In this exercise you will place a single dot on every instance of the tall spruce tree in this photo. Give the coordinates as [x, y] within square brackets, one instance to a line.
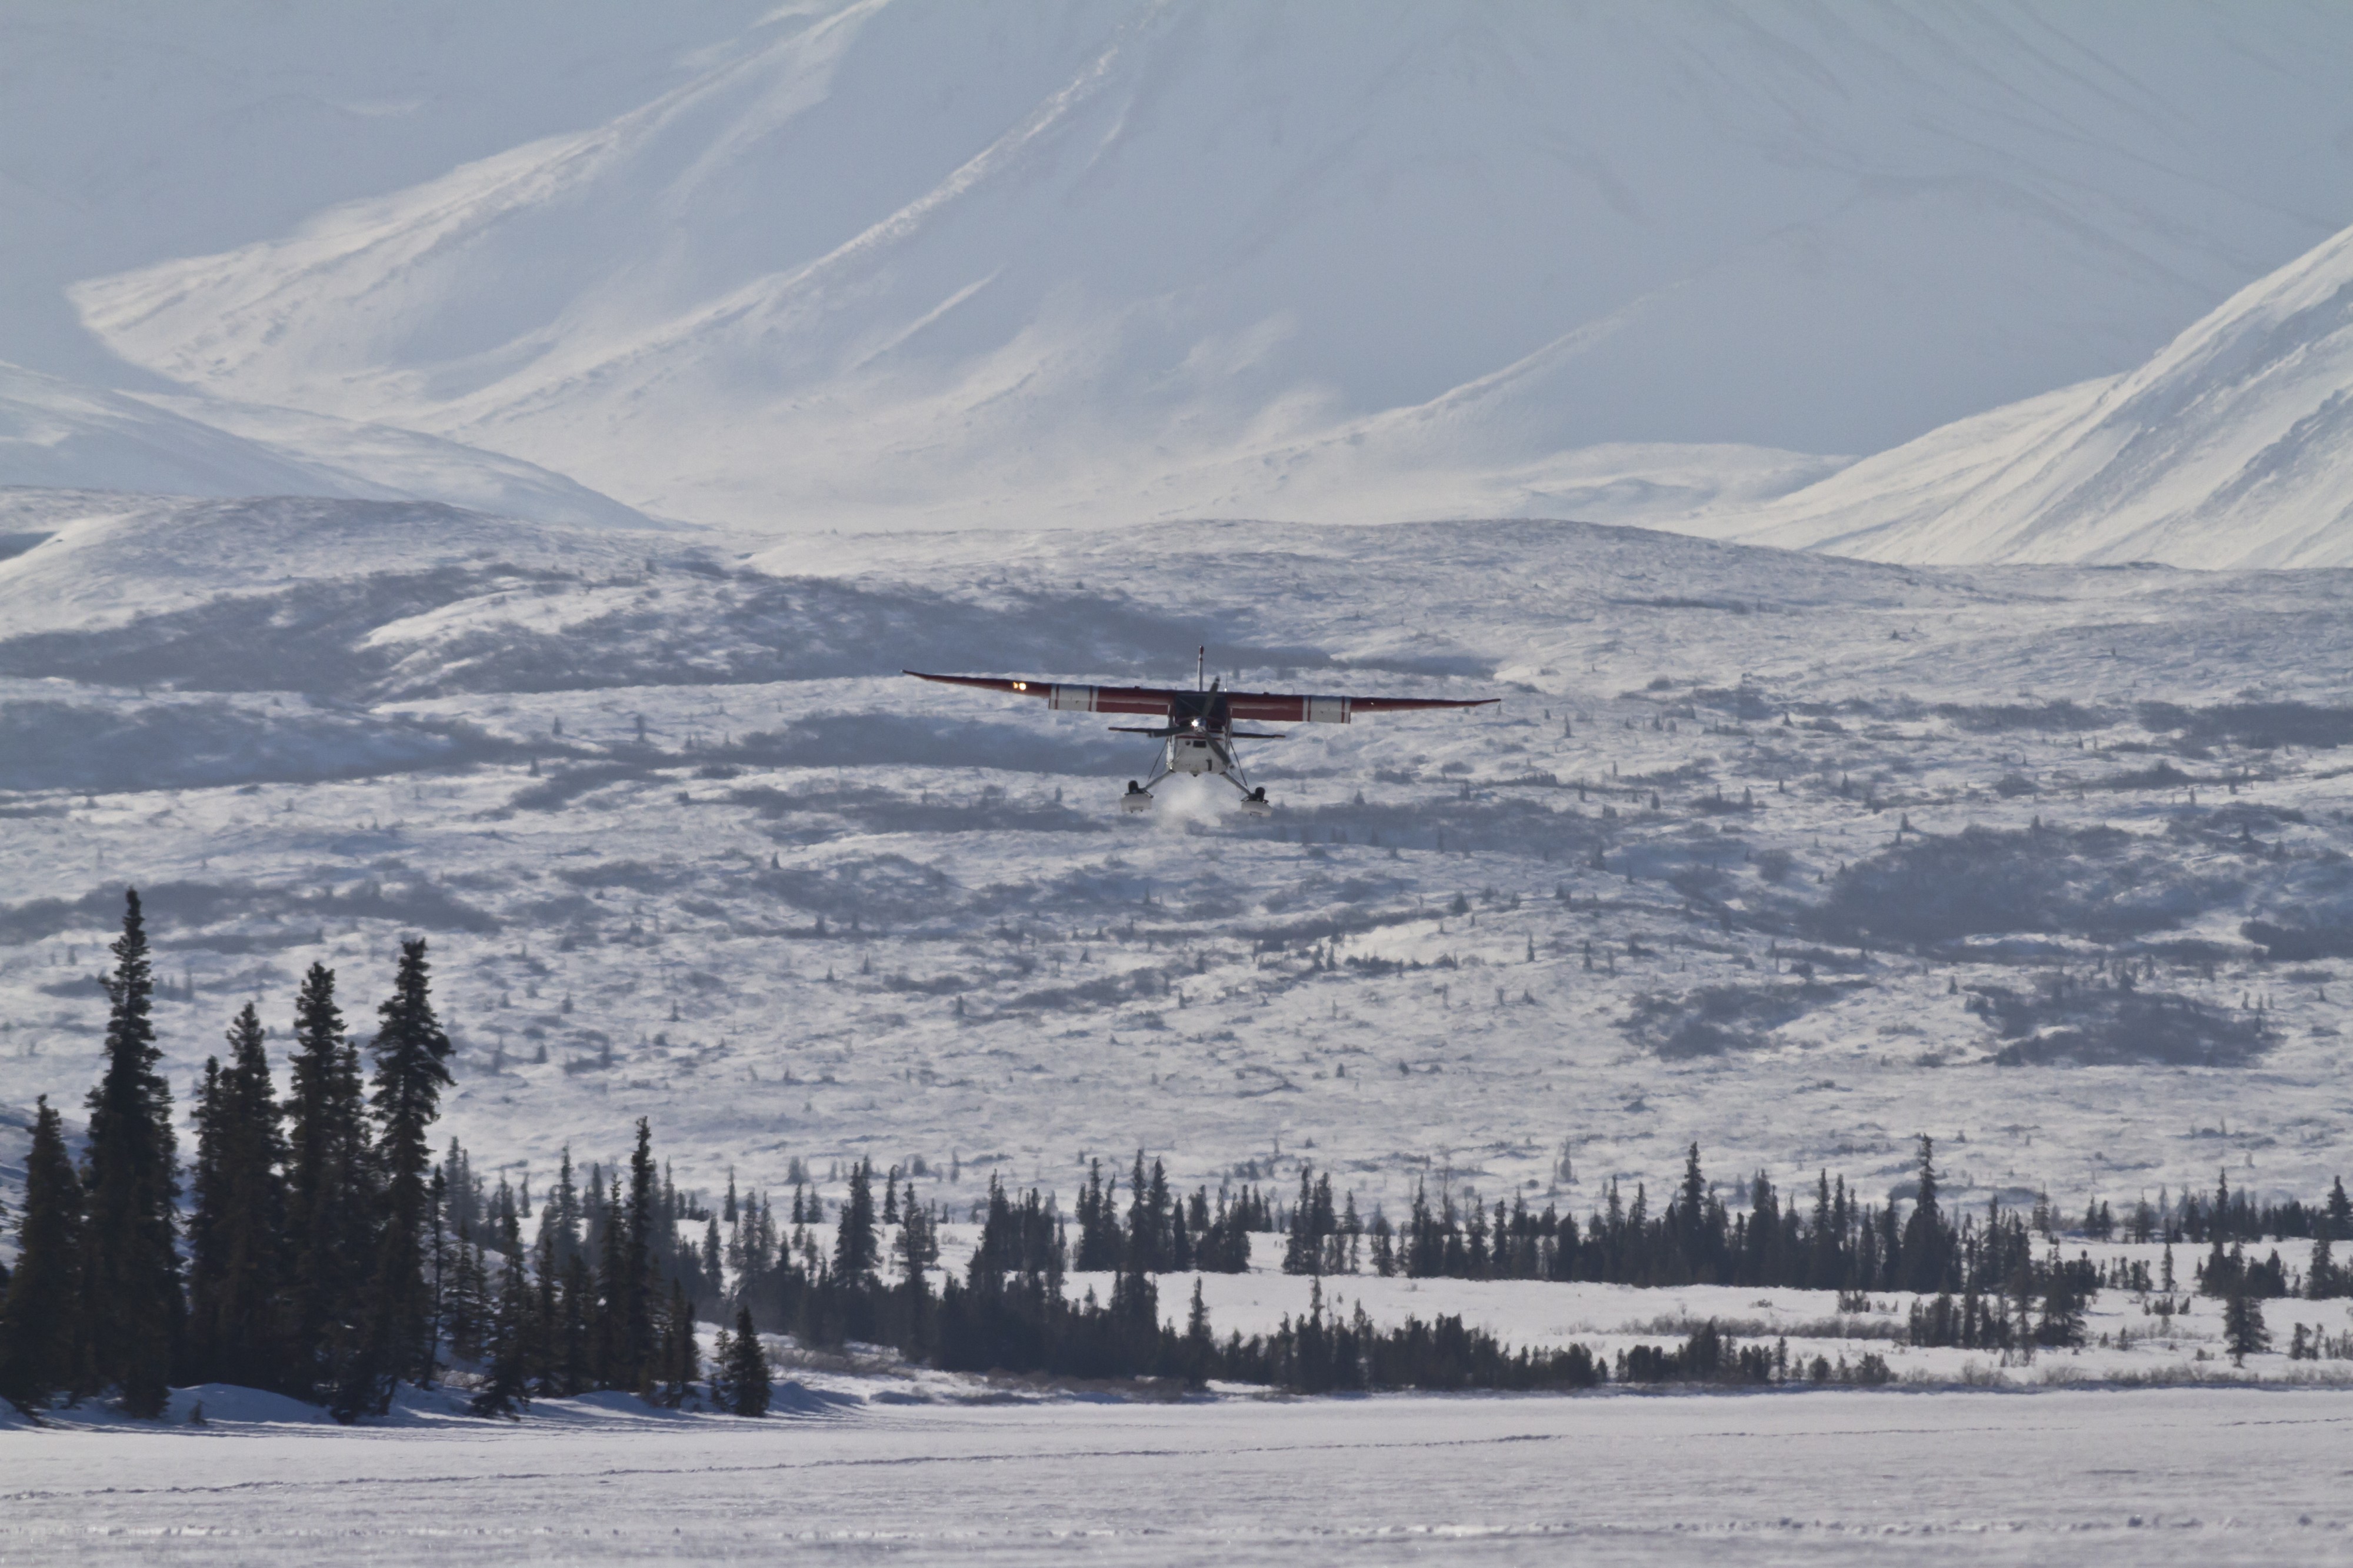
[610, 1342]
[561, 1219]
[856, 1246]
[713, 1281]
[330, 1192]
[133, 1310]
[40, 1344]
[635, 1303]
[236, 1232]
[1927, 1248]
[411, 1070]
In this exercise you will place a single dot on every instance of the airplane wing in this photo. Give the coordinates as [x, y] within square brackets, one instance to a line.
[1259, 707]
[1299, 707]
[1151, 699]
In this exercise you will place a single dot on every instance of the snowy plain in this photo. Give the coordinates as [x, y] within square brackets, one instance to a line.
[2189, 1477]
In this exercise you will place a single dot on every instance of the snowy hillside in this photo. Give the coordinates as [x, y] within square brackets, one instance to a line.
[907, 263]
[2233, 447]
[1789, 855]
[57, 434]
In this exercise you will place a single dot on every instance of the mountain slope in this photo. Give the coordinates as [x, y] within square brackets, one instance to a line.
[2233, 447]
[133, 133]
[58, 434]
[892, 262]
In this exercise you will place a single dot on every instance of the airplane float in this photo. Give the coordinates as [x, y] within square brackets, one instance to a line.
[1196, 728]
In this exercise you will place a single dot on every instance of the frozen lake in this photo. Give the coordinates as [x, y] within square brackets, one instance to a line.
[2203, 1476]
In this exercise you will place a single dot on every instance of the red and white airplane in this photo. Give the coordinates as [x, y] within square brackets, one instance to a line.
[1196, 728]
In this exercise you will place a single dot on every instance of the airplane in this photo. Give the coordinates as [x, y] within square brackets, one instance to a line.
[1196, 727]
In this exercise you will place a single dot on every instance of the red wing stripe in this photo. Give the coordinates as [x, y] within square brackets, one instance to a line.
[1130, 699]
[1079, 698]
[1267, 708]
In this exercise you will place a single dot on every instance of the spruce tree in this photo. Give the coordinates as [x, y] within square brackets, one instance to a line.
[561, 1218]
[237, 1231]
[713, 1283]
[38, 1342]
[855, 1247]
[506, 1382]
[1926, 1248]
[635, 1293]
[746, 1367]
[2062, 1311]
[546, 1315]
[467, 1301]
[330, 1192]
[2244, 1332]
[1200, 1346]
[411, 1056]
[916, 1248]
[131, 1306]
[609, 1339]
[680, 1366]
[571, 1359]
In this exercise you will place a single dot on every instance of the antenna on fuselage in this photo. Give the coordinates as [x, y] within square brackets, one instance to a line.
[1200, 667]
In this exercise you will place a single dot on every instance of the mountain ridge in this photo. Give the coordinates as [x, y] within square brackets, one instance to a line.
[886, 264]
[2231, 446]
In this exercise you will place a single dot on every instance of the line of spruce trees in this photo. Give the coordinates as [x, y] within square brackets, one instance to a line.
[308, 1224]
[324, 1254]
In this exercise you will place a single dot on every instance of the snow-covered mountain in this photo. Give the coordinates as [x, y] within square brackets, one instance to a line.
[133, 133]
[899, 263]
[59, 435]
[2231, 446]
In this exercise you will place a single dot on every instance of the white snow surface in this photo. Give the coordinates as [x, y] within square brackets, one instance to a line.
[2168, 1476]
[908, 264]
[2231, 446]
